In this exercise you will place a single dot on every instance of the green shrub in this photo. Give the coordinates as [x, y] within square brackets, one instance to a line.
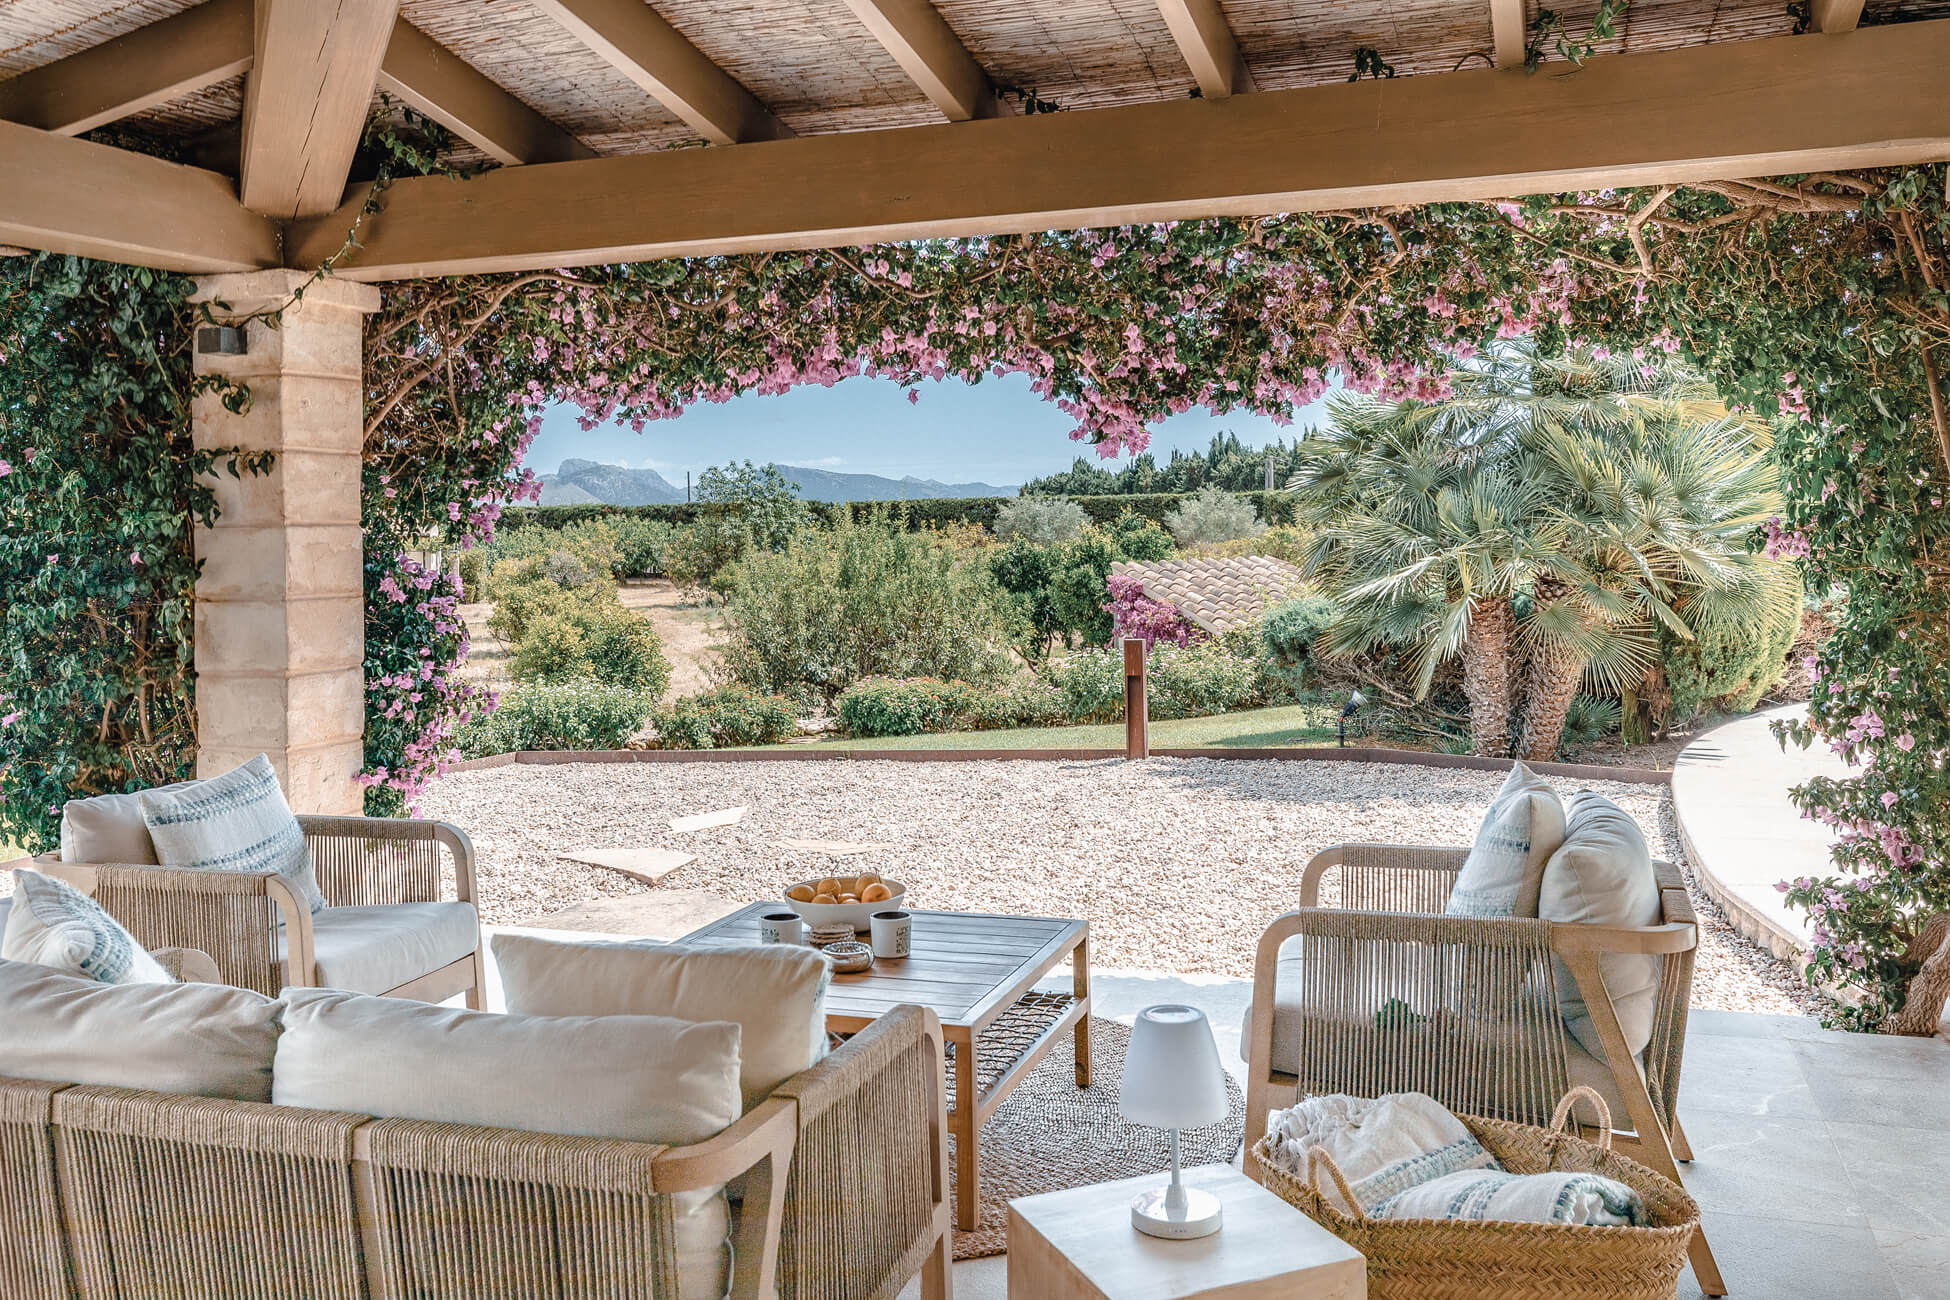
[1288, 633]
[1213, 515]
[920, 705]
[1199, 681]
[473, 572]
[1728, 667]
[604, 642]
[886, 707]
[1195, 682]
[1089, 685]
[859, 600]
[641, 545]
[1138, 538]
[698, 553]
[1590, 719]
[1042, 520]
[578, 714]
[727, 717]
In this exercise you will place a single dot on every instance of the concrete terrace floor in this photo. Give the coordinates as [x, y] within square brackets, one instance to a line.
[1821, 1159]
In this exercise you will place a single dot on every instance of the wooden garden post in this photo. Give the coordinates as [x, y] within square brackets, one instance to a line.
[1137, 705]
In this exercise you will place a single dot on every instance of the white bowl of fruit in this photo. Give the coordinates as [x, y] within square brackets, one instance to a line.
[849, 900]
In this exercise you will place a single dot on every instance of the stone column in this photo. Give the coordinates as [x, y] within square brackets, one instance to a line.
[280, 602]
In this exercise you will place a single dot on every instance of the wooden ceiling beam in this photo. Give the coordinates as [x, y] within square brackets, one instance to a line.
[1834, 15]
[1705, 112]
[439, 83]
[933, 57]
[1508, 29]
[74, 196]
[1209, 47]
[149, 66]
[306, 99]
[635, 40]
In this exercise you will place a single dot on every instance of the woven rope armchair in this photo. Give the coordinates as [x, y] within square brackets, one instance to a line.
[1377, 991]
[261, 937]
[109, 1193]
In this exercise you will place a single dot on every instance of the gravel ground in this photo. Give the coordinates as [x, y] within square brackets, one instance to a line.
[1177, 863]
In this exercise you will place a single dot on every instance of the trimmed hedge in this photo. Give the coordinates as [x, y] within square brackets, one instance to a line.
[727, 717]
[1273, 507]
[558, 715]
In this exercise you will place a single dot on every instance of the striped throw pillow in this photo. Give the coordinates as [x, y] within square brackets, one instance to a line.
[53, 924]
[235, 822]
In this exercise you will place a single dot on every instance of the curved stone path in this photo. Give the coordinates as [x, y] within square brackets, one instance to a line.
[1742, 832]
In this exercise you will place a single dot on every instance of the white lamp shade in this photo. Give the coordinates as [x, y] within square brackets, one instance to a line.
[1172, 1076]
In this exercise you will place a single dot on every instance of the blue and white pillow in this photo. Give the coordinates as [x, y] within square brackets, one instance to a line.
[53, 924]
[1505, 869]
[235, 822]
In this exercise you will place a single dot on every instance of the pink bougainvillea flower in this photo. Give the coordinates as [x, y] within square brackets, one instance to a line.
[5, 469]
[1890, 798]
[135, 557]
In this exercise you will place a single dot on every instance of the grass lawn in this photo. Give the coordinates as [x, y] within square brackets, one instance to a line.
[1293, 724]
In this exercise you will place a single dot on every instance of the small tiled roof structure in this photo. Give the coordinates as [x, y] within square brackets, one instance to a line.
[1219, 592]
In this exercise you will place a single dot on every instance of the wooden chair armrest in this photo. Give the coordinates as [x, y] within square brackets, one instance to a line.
[757, 1149]
[188, 965]
[1391, 862]
[872, 1132]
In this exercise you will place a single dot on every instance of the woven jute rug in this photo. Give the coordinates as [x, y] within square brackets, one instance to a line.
[1049, 1135]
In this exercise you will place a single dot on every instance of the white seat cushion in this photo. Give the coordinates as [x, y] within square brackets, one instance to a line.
[1602, 875]
[376, 949]
[203, 1040]
[235, 822]
[1505, 867]
[636, 1078]
[54, 924]
[776, 993]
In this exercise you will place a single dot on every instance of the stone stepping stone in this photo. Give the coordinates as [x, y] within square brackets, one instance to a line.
[703, 821]
[834, 848]
[647, 865]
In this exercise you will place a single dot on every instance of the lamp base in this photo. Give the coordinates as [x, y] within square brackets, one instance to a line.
[1199, 1218]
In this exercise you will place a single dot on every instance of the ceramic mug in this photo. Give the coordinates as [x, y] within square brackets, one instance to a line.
[893, 934]
[779, 927]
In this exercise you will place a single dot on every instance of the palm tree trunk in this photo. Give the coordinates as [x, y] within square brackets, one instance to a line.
[1555, 674]
[1486, 675]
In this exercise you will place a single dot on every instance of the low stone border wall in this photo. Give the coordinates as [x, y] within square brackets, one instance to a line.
[809, 754]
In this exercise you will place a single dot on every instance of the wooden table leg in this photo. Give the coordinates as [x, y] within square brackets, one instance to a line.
[1080, 985]
[961, 1122]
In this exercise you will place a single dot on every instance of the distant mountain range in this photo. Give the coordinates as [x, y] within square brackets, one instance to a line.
[584, 482]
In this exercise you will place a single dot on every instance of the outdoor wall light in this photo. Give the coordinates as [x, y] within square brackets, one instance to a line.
[220, 340]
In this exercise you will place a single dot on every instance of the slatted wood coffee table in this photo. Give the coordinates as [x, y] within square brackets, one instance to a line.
[978, 973]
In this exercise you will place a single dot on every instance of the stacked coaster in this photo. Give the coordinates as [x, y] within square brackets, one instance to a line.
[831, 932]
[848, 956]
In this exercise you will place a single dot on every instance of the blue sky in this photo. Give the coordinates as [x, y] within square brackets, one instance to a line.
[993, 432]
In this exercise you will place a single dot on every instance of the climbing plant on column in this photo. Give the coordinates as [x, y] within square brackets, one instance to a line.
[99, 487]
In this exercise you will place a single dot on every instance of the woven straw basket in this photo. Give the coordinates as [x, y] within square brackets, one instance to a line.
[1445, 1259]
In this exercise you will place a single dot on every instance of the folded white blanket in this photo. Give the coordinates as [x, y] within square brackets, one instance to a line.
[1483, 1194]
[1383, 1146]
[1405, 1156]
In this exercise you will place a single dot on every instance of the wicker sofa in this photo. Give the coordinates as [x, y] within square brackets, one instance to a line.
[110, 1192]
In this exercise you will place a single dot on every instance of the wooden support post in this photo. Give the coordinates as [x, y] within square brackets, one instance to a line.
[1137, 704]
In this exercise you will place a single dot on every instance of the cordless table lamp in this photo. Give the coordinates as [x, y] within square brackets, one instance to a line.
[1173, 1080]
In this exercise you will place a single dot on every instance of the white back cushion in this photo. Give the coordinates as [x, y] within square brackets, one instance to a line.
[108, 828]
[235, 822]
[638, 1078]
[204, 1040]
[774, 992]
[54, 924]
[1505, 867]
[1602, 875]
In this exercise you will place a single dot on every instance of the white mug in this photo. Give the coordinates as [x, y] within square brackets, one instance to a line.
[779, 927]
[893, 934]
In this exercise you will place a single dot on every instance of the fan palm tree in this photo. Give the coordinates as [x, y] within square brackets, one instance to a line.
[1599, 498]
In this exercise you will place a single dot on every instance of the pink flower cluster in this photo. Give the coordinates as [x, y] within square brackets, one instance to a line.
[1135, 614]
[1784, 543]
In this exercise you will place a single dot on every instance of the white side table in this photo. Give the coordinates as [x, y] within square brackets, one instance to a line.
[1080, 1245]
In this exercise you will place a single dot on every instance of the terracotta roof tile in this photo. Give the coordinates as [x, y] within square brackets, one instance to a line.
[1218, 593]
